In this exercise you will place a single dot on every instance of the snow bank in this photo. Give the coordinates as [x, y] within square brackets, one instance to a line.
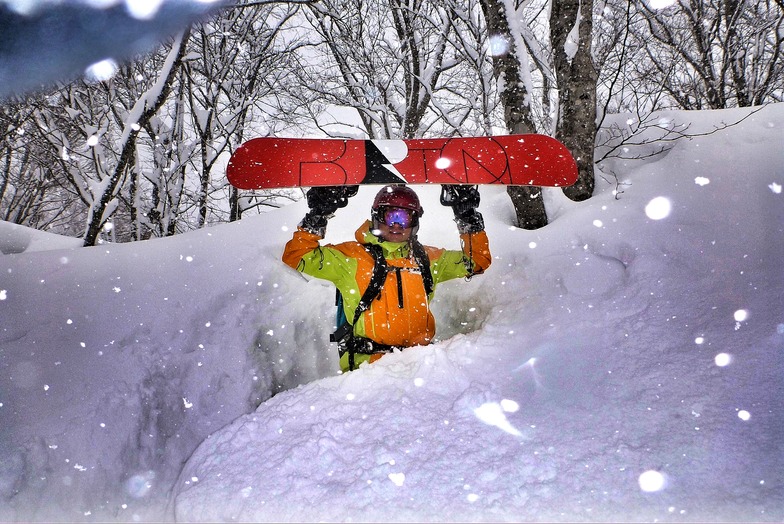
[15, 239]
[623, 363]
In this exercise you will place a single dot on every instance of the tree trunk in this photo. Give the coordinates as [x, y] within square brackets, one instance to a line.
[577, 78]
[736, 52]
[527, 201]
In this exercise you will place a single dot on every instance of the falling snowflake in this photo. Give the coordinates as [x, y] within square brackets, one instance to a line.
[652, 481]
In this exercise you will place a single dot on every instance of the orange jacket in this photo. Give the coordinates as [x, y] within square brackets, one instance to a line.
[349, 266]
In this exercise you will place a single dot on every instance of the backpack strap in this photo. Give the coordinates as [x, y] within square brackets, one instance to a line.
[377, 279]
[423, 261]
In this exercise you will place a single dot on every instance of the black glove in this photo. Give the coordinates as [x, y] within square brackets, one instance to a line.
[464, 200]
[323, 202]
[326, 200]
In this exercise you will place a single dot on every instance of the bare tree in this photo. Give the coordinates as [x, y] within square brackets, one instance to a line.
[236, 64]
[474, 80]
[510, 65]
[29, 195]
[102, 154]
[104, 200]
[391, 61]
[138, 155]
[713, 54]
[121, 151]
[571, 30]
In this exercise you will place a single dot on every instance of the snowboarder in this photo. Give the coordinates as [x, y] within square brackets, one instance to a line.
[386, 278]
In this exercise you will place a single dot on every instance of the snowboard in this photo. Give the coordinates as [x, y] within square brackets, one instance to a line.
[514, 160]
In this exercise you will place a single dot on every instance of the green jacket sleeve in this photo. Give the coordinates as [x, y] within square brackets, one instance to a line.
[474, 259]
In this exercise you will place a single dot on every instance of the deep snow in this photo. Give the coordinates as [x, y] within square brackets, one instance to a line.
[622, 363]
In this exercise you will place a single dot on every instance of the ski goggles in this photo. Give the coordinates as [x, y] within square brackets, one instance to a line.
[404, 218]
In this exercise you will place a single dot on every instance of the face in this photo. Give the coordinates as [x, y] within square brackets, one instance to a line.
[396, 224]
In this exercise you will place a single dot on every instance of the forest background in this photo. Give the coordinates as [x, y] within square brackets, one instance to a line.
[138, 149]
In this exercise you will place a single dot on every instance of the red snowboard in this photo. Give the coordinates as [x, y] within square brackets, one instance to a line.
[515, 160]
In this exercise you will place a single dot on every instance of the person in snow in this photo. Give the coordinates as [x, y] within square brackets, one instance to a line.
[386, 278]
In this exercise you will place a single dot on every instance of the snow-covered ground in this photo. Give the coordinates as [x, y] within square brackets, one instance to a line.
[626, 362]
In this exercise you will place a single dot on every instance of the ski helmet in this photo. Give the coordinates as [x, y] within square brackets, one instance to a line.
[398, 196]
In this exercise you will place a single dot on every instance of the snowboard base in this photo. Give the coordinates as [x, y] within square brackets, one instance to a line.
[513, 160]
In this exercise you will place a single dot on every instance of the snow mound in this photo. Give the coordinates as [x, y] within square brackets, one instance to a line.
[622, 363]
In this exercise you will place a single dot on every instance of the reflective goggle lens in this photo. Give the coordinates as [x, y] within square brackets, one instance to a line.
[402, 217]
